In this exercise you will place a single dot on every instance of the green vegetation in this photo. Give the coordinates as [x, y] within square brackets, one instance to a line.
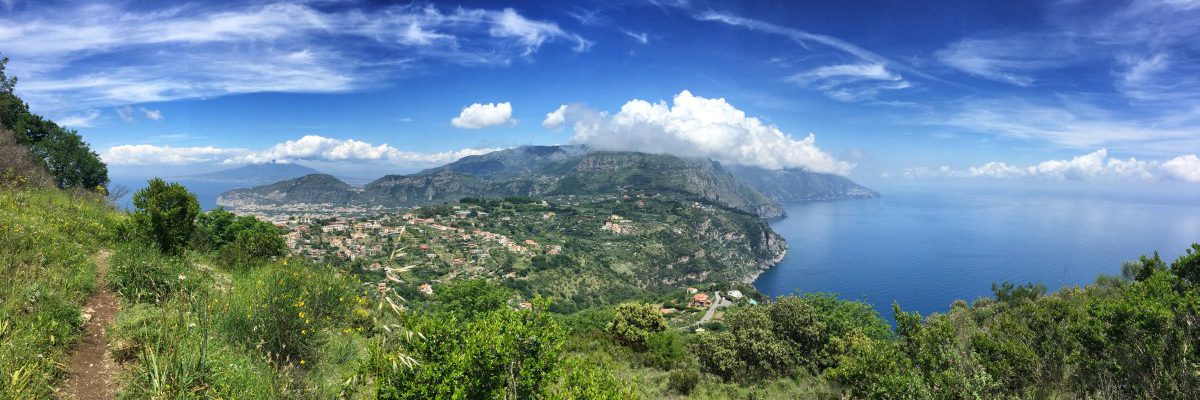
[47, 242]
[62, 151]
[634, 323]
[166, 214]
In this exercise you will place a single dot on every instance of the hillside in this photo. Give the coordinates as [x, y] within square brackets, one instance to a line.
[255, 174]
[791, 185]
[580, 251]
[524, 171]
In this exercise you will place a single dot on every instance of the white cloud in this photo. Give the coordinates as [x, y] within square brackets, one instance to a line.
[1090, 166]
[476, 116]
[307, 148]
[1072, 123]
[509, 24]
[153, 115]
[83, 120]
[641, 37]
[125, 113]
[1184, 168]
[695, 126]
[212, 49]
[556, 119]
[1010, 58]
[145, 154]
[851, 82]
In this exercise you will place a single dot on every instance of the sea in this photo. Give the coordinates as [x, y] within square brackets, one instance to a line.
[925, 247]
[206, 191]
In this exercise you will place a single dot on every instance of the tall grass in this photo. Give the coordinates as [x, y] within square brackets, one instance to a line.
[47, 242]
[270, 330]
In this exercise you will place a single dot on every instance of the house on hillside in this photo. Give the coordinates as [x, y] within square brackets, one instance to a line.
[425, 289]
[700, 300]
[735, 294]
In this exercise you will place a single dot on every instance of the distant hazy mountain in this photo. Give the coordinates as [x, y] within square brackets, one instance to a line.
[789, 185]
[255, 174]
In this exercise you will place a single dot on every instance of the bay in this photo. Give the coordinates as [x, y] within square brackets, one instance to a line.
[925, 248]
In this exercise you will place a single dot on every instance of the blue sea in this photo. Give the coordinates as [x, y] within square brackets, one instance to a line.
[206, 191]
[926, 247]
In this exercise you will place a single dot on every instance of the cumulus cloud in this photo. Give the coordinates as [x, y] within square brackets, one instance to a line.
[1094, 165]
[478, 116]
[1184, 168]
[307, 148]
[694, 126]
[556, 119]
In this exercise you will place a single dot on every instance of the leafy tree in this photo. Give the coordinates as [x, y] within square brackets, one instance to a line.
[465, 299]
[69, 159]
[634, 323]
[166, 214]
[1187, 266]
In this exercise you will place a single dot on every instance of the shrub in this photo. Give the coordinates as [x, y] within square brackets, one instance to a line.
[665, 350]
[283, 309]
[634, 323]
[166, 214]
[683, 381]
[251, 247]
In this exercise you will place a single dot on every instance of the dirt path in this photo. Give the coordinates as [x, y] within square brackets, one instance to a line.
[92, 373]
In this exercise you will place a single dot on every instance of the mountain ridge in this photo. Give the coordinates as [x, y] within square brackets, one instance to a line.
[564, 170]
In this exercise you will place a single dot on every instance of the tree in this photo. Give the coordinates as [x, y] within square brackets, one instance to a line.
[69, 159]
[634, 323]
[166, 214]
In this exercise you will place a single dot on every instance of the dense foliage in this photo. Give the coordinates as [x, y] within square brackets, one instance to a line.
[474, 345]
[634, 323]
[68, 158]
[166, 214]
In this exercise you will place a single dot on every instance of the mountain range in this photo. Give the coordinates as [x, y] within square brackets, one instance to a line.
[254, 174]
[563, 170]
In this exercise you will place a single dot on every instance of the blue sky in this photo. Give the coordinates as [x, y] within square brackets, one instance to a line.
[1019, 91]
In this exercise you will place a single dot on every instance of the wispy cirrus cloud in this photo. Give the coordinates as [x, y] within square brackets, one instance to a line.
[851, 82]
[307, 148]
[99, 55]
[864, 79]
[1072, 123]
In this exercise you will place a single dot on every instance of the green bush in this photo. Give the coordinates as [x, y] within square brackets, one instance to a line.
[634, 323]
[683, 381]
[166, 214]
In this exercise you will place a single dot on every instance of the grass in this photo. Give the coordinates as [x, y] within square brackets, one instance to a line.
[47, 242]
[272, 330]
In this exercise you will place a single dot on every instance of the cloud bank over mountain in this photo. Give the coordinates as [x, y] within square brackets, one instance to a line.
[695, 126]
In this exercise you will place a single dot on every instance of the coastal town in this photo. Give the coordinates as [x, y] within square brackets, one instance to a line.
[413, 251]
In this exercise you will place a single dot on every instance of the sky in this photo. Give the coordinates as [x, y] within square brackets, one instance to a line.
[1012, 91]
